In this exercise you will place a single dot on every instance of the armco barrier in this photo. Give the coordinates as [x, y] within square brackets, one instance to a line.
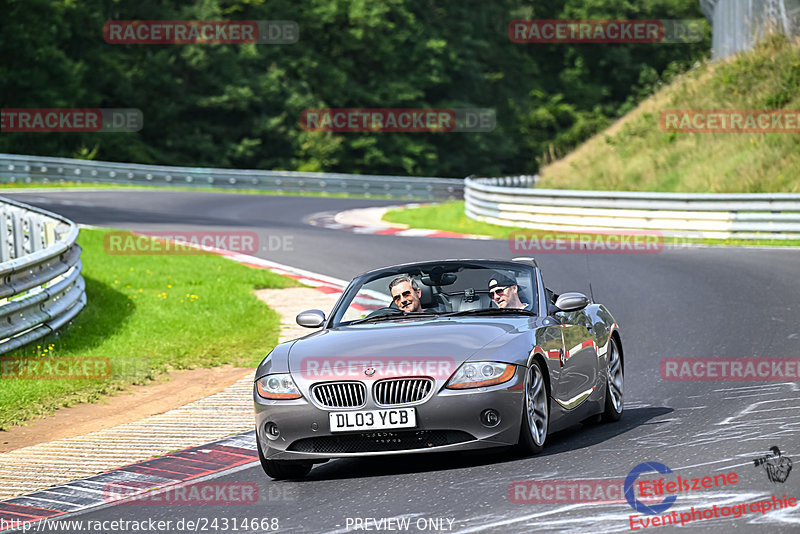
[40, 169]
[41, 287]
[514, 202]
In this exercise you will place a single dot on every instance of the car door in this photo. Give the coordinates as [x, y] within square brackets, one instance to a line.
[551, 341]
[579, 361]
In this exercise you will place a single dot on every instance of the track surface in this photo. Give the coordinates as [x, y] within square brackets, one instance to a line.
[698, 302]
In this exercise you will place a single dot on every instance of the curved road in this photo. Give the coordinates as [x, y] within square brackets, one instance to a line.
[694, 302]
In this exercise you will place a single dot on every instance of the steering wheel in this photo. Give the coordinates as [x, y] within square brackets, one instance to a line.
[384, 311]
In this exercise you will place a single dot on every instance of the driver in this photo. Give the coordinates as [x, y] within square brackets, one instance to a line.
[504, 292]
[406, 293]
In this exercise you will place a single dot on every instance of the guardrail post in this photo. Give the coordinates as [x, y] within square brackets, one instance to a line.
[35, 233]
[19, 234]
[5, 253]
[50, 236]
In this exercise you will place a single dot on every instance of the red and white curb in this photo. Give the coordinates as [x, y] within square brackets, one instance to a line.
[128, 482]
[321, 282]
[368, 221]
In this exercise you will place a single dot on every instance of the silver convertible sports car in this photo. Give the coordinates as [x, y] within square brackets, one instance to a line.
[437, 356]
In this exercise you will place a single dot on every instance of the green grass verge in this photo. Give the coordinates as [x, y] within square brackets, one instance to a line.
[149, 314]
[5, 185]
[635, 154]
[450, 217]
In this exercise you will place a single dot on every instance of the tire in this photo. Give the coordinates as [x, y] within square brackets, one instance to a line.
[536, 411]
[282, 469]
[614, 384]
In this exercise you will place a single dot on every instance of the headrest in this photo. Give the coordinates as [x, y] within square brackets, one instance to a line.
[426, 298]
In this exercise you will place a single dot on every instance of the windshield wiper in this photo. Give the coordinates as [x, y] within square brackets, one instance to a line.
[394, 317]
[492, 311]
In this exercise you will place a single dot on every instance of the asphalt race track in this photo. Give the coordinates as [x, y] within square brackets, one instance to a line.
[688, 302]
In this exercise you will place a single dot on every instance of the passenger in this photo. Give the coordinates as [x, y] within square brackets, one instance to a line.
[505, 292]
[406, 293]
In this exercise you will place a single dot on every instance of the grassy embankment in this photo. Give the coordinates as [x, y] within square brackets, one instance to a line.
[149, 314]
[635, 154]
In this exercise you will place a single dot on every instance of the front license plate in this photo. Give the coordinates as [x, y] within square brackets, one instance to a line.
[373, 419]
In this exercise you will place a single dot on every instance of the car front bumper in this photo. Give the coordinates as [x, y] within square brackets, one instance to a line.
[450, 420]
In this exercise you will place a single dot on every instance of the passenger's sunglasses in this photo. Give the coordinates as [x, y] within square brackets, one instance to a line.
[498, 291]
[404, 294]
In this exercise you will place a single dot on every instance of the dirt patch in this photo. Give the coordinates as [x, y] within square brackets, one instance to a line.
[179, 388]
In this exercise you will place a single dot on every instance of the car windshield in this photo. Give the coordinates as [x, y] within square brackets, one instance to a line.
[430, 290]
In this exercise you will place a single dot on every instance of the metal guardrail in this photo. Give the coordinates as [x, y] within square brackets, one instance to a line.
[40, 169]
[514, 202]
[41, 287]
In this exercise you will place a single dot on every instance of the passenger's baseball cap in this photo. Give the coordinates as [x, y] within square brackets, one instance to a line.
[500, 280]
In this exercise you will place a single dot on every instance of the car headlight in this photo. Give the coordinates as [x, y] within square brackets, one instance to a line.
[481, 374]
[279, 386]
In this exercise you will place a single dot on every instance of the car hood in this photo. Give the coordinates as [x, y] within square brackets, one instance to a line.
[445, 342]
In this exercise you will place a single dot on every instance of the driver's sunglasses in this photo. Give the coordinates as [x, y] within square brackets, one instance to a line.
[497, 291]
[404, 294]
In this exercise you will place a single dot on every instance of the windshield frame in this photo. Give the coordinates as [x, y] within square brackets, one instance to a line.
[352, 290]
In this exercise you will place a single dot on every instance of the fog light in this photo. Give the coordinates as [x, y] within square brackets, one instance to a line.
[490, 418]
[271, 430]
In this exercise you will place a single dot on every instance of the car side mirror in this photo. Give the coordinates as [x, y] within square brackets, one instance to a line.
[572, 301]
[311, 318]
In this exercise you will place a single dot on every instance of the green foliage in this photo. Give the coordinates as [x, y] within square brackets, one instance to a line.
[239, 105]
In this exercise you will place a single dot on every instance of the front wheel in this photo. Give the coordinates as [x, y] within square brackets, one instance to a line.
[614, 384]
[282, 469]
[536, 418]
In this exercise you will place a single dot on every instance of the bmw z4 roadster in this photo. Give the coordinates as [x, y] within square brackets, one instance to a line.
[438, 356]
